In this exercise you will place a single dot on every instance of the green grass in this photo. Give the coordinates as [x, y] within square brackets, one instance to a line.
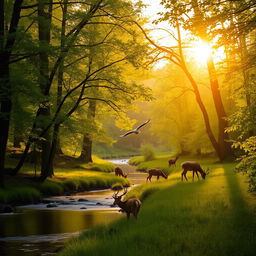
[23, 189]
[161, 162]
[98, 164]
[21, 194]
[212, 217]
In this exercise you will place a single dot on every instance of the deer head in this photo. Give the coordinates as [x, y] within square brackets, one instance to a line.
[118, 197]
[205, 173]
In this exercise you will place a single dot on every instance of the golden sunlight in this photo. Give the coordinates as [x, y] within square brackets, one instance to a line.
[201, 51]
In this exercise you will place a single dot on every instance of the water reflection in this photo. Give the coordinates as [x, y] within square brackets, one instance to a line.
[33, 222]
[19, 232]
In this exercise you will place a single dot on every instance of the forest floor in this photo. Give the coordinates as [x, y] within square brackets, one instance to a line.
[216, 216]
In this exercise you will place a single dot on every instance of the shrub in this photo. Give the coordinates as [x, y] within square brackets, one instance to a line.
[148, 152]
[247, 162]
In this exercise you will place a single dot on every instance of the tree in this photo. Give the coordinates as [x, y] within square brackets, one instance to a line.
[82, 74]
[7, 41]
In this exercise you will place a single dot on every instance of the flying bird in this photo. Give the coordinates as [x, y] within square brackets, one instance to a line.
[136, 130]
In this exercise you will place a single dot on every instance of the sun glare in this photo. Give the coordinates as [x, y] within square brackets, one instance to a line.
[201, 52]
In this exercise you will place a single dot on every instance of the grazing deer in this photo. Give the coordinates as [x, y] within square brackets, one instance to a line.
[173, 161]
[129, 206]
[119, 172]
[156, 172]
[194, 167]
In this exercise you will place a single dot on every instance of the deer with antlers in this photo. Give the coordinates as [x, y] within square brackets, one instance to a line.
[195, 168]
[129, 206]
[173, 161]
[119, 172]
[156, 172]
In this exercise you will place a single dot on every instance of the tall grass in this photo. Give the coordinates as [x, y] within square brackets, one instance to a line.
[24, 191]
[208, 217]
[19, 195]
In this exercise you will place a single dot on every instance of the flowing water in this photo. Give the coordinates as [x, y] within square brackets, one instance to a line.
[37, 230]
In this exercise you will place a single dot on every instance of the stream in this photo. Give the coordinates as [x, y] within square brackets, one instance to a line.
[37, 230]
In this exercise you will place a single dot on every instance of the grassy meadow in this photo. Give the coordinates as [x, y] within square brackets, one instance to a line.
[209, 217]
[161, 162]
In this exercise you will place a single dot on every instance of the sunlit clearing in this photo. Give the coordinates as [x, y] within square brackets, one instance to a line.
[201, 52]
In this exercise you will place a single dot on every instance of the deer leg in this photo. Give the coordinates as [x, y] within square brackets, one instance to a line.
[149, 177]
[193, 175]
[157, 177]
[197, 175]
[184, 173]
[128, 215]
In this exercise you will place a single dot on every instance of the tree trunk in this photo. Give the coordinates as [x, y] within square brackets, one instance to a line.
[17, 132]
[44, 33]
[86, 154]
[58, 147]
[6, 46]
[204, 113]
[199, 100]
[49, 168]
[55, 146]
[224, 146]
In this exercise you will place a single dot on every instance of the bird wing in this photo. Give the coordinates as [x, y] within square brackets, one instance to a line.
[142, 125]
[126, 133]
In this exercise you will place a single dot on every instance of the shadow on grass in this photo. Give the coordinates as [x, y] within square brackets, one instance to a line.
[243, 221]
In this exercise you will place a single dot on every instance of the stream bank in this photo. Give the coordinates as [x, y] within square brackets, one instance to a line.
[40, 230]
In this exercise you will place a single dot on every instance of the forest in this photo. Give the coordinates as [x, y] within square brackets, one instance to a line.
[77, 75]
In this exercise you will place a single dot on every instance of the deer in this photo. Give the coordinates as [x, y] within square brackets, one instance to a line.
[156, 172]
[129, 206]
[173, 161]
[195, 168]
[119, 172]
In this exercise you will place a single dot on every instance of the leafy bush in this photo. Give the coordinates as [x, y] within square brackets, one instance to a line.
[247, 163]
[148, 152]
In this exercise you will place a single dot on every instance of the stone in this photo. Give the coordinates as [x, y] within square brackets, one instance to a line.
[51, 205]
[82, 200]
[5, 208]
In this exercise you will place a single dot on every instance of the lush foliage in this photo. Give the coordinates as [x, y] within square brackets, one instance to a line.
[247, 163]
